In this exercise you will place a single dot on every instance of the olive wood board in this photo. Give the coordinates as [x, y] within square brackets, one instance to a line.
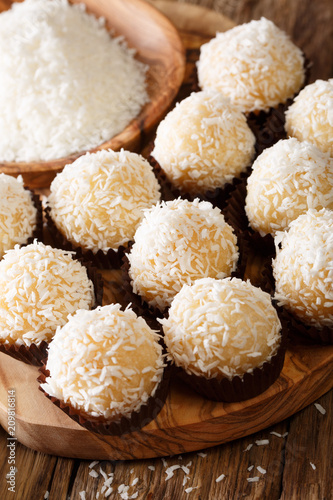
[187, 422]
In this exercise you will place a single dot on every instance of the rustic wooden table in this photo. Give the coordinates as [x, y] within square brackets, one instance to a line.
[290, 460]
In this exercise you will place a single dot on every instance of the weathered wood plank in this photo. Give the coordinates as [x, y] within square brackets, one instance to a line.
[310, 442]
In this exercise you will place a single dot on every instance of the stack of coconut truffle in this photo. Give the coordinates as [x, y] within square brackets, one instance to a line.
[107, 367]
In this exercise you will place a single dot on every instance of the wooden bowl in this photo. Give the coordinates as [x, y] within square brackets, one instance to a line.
[157, 44]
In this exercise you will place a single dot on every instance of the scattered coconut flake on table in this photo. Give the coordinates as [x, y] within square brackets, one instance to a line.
[313, 466]
[248, 448]
[191, 488]
[222, 476]
[320, 408]
[253, 479]
[66, 86]
[277, 434]
[92, 464]
[93, 473]
[261, 469]
[262, 442]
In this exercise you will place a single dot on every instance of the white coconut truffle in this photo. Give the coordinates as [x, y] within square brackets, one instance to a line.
[287, 179]
[97, 202]
[106, 362]
[178, 242]
[18, 215]
[203, 143]
[255, 64]
[40, 286]
[310, 117]
[221, 328]
[303, 268]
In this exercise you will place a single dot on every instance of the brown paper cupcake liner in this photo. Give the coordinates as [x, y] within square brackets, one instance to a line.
[298, 330]
[240, 388]
[138, 304]
[133, 423]
[235, 215]
[191, 83]
[110, 260]
[37, 354]
[33, 355]
[38, 232]
[301, 331]
[217, 197]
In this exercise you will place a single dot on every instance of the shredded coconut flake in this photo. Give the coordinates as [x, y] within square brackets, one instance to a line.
[93, 473]
[261, 469]
[262, 442]
[320, 408]
[66, 85]
[277, 434]
[92, 464]
[191, 488]
[218, 479]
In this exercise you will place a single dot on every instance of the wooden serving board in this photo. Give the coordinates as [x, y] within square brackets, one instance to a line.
[187, 422]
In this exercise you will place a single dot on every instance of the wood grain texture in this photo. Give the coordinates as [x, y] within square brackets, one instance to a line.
[187, 421]
[165, 57]
[289, 474]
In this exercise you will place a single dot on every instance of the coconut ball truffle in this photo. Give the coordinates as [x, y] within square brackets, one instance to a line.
[221, 328]
[303, 268]
[97, 201]
[39, 287]
[105, 362]
[203, 143]
[255, 64]
[287, 179]
[18, 215]
[178, 242]
[310, 117]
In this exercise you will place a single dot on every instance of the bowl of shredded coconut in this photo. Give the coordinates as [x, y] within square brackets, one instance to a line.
[78, 77]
